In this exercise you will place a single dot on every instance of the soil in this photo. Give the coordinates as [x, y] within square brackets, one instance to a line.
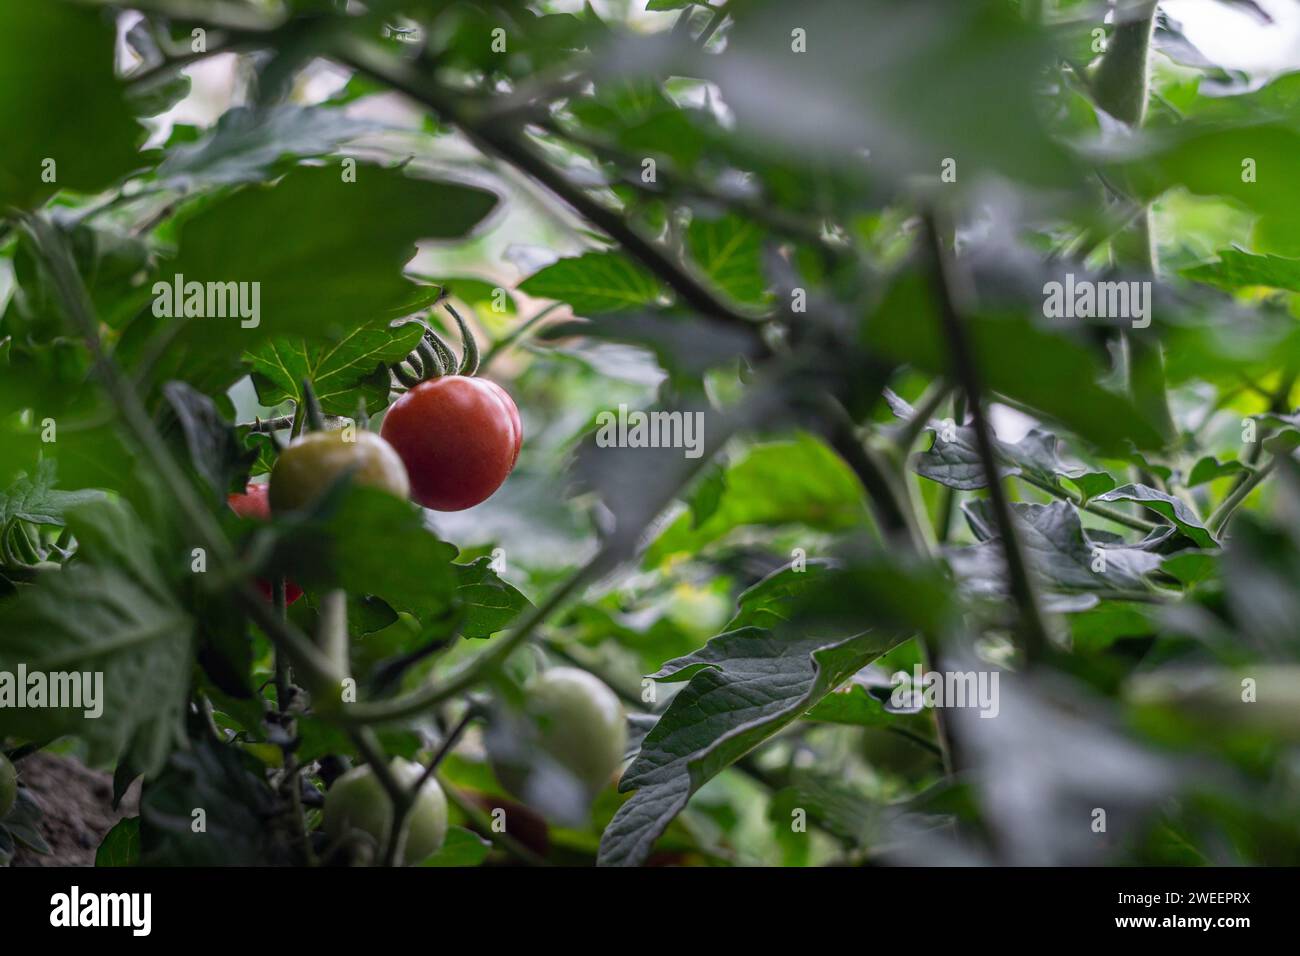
[78, 809]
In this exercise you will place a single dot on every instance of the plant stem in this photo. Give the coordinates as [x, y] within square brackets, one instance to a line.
[925, 407]
[1120, 87]
[1101, 510]
[514, 335]
[950, 294]
[76, 303]
[482, 665]
[1222, 514]
[483, 823]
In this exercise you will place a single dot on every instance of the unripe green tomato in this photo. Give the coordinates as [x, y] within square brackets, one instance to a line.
[8, 786]
[581, 724]
[315, 461]
[358, 802]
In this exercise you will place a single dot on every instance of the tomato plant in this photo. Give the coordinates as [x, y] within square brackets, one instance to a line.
[913, 422]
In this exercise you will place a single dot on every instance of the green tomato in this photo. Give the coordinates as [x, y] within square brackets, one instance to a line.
[315, 461]
[8, 786]
[581, 724]
[357, 802]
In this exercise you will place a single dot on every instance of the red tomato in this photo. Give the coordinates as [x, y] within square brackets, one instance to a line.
[254, 504]
[459, 438]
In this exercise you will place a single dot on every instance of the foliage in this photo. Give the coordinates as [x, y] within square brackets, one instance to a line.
[970, 330]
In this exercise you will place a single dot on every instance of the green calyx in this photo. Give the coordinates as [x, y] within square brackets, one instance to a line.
[433, 357]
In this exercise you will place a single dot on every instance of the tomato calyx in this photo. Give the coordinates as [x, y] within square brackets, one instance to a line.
[434, 358]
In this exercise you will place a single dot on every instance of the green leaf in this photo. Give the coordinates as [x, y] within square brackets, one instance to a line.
[350, 542]
[594, 282]
[1057, 547]
[1209, 161]
[1237, 269]
[906, 328]
[784, 650]
[461, 848]
[23, 824]
[229, 787]
[911, 82]
[121, 845]
[745, 685]
[791, 482]
[1096, 628]
[490, 603]
[1209, 469]
[214, 448]
[38, 501]
[110, 613]
[729, 251]
[328, 254]
[39, 95]
[1172, 509]
[342, 373]
[852, 704]
[250, 145]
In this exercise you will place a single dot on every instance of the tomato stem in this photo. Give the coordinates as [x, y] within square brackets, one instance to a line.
[469, 347]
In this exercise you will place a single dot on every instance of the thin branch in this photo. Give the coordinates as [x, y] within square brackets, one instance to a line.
[514, 335]
[481, 666]
[1222, 514]
[1101, 510]
[951, 295]
[506, 143]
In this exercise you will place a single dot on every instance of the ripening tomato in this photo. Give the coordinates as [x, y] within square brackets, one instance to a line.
[254, 504]
[459, 438]
[313, 462]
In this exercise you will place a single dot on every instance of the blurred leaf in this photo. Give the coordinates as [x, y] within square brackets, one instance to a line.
[791, 482]
[215, 450]
[321, 254]
[906, 328]
[491, 604]
[461, 848]
[40, 93]
[1236, 270]
[908, 83]
[729, 250]
[251, 145]
[38, 501]
[228, 786]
